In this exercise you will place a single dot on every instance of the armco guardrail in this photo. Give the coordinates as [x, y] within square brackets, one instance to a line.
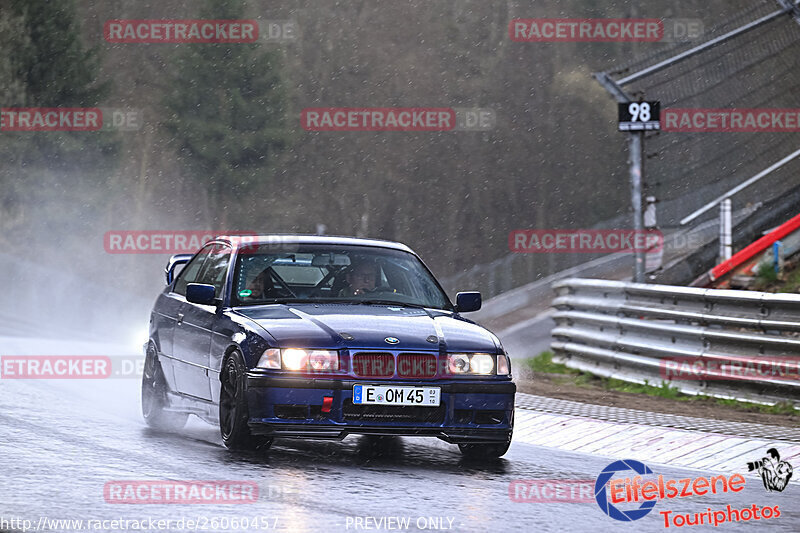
[730, 344]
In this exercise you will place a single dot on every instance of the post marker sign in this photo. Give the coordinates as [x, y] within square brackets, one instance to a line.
[640, 116]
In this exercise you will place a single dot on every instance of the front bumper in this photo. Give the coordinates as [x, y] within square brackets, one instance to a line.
[469, 412]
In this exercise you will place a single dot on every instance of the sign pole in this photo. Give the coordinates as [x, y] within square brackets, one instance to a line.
[636, 144]
[634, 118]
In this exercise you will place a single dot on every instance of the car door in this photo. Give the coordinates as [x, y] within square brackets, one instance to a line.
[192, 340]
[171, 312]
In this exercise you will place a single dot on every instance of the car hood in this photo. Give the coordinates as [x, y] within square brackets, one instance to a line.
[367, 327]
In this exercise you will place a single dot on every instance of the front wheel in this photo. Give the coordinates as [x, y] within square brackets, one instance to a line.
[233, 413]
[154, 396]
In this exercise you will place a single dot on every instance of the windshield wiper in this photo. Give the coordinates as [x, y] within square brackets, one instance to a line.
[267, 301]
[322, 301]
[390, 303]
[305, 301]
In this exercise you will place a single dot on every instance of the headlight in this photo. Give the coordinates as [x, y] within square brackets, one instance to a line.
[296, 359]
[323, 360]
[470, 363]
[458, 363]
[482, 363]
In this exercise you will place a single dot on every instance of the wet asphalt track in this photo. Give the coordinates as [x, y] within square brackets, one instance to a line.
[61, 441]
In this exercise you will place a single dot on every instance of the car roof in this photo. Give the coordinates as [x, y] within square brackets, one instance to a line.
[311, 239]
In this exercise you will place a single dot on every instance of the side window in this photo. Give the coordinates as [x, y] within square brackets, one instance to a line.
[215, 269]
[190, 271]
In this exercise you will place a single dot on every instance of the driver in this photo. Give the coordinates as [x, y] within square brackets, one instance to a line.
[362, 278]
[261, 286]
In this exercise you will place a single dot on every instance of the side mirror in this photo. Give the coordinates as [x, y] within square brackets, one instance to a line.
[468, 301]
[199, 293]
[175, 260]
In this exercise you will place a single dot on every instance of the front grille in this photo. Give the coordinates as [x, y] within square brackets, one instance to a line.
[416, 365]
[393, 413]
[373, 365]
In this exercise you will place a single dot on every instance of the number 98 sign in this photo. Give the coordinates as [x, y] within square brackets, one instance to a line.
[640, 116]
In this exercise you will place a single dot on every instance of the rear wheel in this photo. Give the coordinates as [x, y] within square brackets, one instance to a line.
[233, 412]
[154, 396]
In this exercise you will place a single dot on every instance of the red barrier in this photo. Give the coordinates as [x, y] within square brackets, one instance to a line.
[754, 249]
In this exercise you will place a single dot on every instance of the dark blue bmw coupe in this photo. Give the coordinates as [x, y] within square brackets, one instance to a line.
[322, 337]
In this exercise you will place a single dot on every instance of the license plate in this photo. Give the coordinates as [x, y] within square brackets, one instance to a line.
[395, 395]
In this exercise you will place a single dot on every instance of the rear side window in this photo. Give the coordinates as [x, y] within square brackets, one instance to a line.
[190, 272]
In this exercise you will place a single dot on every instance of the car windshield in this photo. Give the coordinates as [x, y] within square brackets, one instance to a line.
[306, 273]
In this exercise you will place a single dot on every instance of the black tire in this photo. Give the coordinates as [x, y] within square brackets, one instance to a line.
[154, 396]
[484, 451]
[233, 412]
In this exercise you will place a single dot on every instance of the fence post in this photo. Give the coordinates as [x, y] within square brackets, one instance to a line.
[725, 237]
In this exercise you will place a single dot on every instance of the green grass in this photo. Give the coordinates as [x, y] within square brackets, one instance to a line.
[767, 280]
[543, 363]
[792, 282]
[766, 275]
